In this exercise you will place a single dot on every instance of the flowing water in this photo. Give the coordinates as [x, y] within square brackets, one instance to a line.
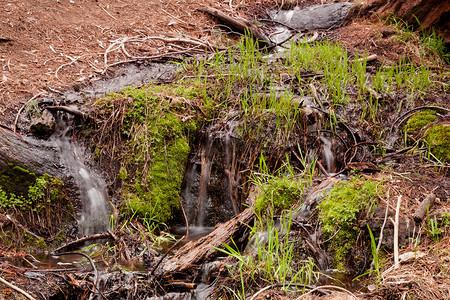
[97, 210]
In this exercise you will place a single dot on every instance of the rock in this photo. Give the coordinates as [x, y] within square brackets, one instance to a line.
[44, 125]
[314, 17]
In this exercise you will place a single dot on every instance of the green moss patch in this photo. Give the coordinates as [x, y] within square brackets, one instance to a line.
[438, 139]
[339, 211]
[420, 120]
[156, 127]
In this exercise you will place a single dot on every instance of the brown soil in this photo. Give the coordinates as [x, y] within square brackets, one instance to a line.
[51, 44]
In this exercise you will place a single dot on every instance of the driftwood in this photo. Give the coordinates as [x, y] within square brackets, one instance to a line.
[421, 211]
[240, 24]
[206, 248]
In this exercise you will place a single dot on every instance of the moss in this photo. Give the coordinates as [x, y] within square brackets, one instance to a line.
[438, 139]
[45, 189]
[123, 174]
[420, 120]
[279, 193]
[339, 211]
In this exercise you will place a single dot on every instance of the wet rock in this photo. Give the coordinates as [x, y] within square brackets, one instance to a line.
[44, 125]
[314, 17]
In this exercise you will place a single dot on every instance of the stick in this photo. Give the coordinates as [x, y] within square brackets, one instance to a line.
[69, 110]
[185, 217]
[84, 239]
[16, 289]
[397, 216]
[23, 227]
[165, 254]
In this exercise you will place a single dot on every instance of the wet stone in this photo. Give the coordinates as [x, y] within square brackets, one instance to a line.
[44, 125]
[314, 17]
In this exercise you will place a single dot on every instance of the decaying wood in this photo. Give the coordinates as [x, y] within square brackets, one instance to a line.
[79, 241]
[240, 24]
[206, 248]
[421, 211]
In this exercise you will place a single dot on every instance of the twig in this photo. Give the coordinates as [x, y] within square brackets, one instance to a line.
[283, 285]
[396, 223]
[384, 224]
[185, 217]
[406, 115]
[20, 110]
[17, 289]
[324, 171]
[327, 287]
[73, 60]
[107, 12]
[69, 110]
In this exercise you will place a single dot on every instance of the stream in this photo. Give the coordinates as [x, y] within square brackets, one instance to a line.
[212, 185]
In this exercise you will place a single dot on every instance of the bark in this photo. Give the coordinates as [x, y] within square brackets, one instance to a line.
[430, 13]
[21, 161]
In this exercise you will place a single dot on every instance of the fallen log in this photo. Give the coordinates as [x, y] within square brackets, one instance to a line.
[240, 24]
[23, 159]
[206, 248]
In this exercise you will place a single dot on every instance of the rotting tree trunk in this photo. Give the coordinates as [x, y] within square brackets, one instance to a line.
[21, 162]
[206, 248]
[430, 13]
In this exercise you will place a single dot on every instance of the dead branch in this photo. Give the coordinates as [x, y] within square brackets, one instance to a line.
[240, 24]
[10, 285]
[396, 224]
[69, 110]
[79, 241]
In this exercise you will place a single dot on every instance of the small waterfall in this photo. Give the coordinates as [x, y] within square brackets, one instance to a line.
[209, 193]
[96, 208]
[328, 155]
